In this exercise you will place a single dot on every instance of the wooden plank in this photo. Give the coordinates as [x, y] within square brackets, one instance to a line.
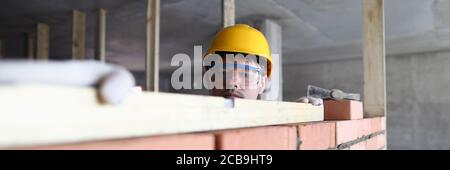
[101, 36]
[152, 49]
[73, 114]
[78, 34]
[30, 45]
[228, 13]
[43, 41]
[374, 59]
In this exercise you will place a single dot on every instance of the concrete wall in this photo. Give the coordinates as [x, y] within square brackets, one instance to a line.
[418, 99]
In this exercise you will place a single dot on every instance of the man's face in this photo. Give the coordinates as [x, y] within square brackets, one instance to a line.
[241, 79]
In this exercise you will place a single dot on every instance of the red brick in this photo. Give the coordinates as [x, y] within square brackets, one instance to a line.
[376, 124]
[376, 142]
[370, 125]
[359, 146]
[353, 129]
[365, 127]
[320, 135]
[343, 110]
[347, 130]
[172, 142]
[265, 138]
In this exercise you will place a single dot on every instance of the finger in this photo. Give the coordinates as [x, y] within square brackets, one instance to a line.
[302, 100]
[315, 101]
[116, 86]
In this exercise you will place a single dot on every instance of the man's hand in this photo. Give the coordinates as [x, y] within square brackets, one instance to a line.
[312, 100]
[113, 82]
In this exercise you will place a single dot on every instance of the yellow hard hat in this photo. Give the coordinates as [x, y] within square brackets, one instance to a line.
[242, 38]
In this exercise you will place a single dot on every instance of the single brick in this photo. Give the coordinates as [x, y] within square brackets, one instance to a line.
[172, 142]
[343, 110]
[315, 136]
[376, 124]
[365, 127]
[347, 131]
[265, 138]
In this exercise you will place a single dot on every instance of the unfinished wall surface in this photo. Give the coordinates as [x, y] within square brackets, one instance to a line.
[417, 94]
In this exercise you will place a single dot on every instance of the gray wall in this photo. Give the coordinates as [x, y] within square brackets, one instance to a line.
[418, 98]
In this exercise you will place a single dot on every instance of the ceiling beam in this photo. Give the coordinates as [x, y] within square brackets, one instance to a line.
[78, 35]
[152, 45]
[100, 51]
[43, 41]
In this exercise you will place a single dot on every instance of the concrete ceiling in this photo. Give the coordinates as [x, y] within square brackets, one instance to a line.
[18, 15]
[313, 30]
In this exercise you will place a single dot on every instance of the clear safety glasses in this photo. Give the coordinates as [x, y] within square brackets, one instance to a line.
[239, 74]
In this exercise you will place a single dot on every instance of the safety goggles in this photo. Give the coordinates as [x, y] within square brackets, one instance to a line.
[240, 74]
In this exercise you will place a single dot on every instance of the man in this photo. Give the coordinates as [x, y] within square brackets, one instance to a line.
[244, 61]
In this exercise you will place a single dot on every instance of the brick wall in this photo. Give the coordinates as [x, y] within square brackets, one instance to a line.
[343, 129]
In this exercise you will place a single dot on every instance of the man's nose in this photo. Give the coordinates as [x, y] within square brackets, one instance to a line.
[232, 80]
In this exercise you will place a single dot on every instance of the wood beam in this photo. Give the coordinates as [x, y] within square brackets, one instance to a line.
[228, 13]
[80, 117]
[374, 59]
[152, 48]
[100, 52]
[78, 34]
[43, 41]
